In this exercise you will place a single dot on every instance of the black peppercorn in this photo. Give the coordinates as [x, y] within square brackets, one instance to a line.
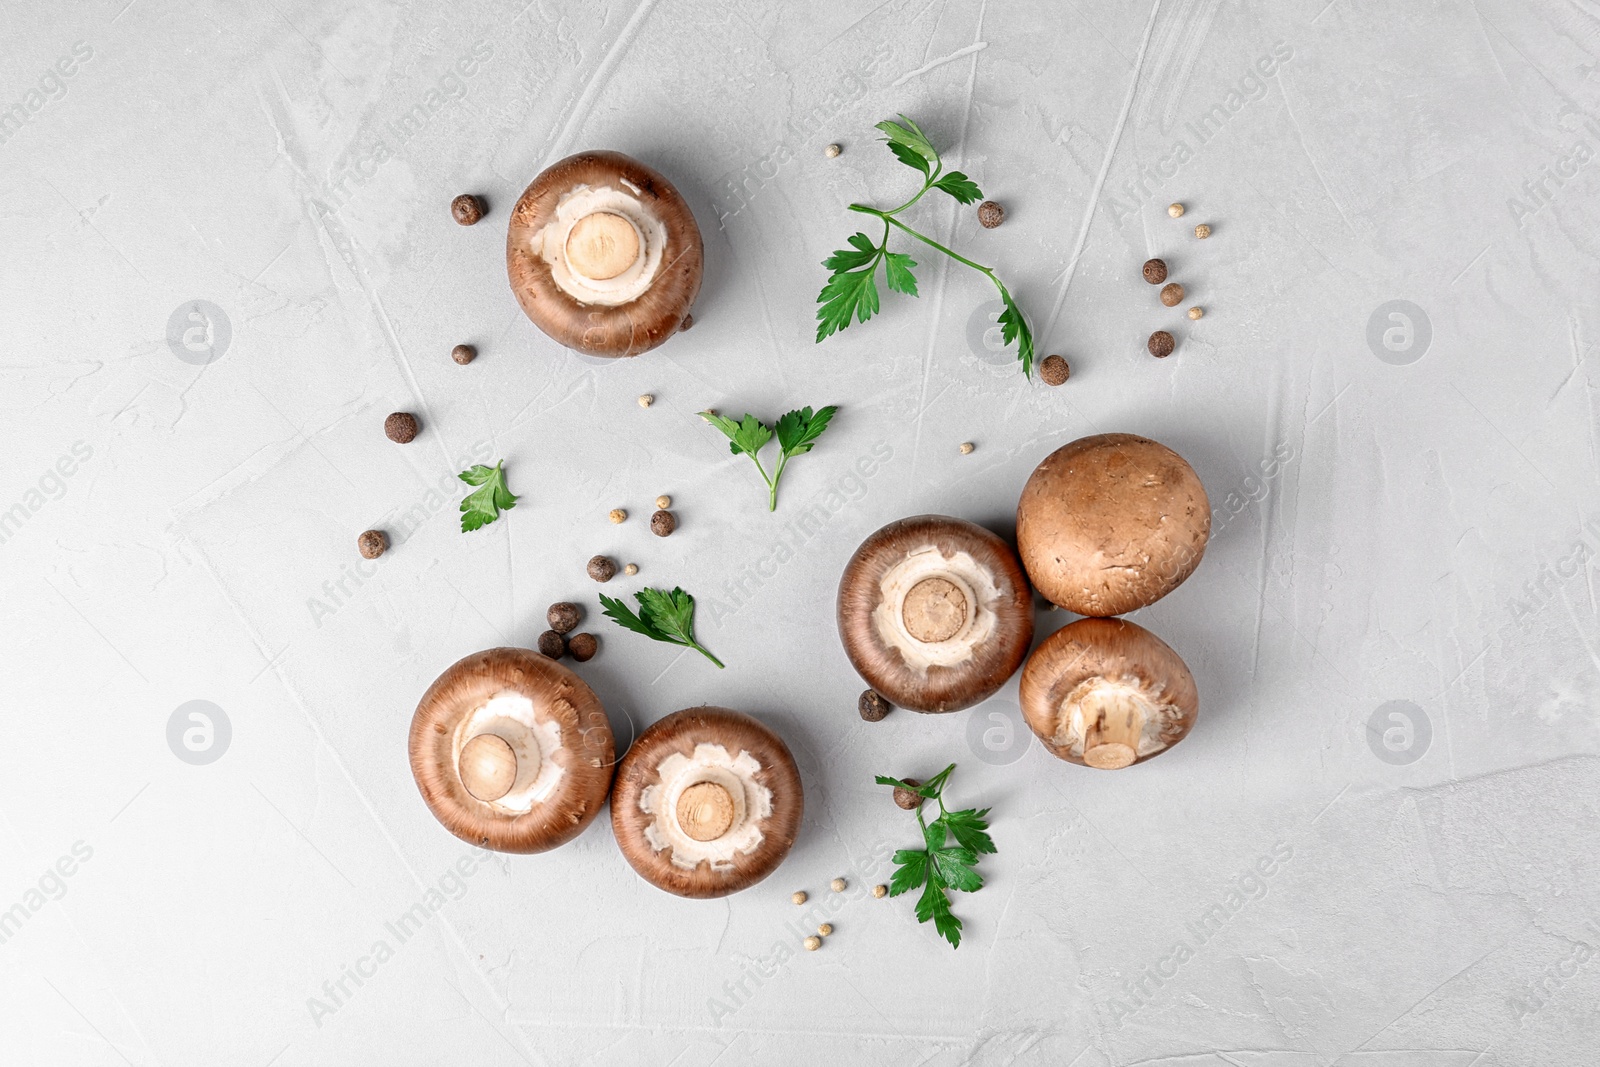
[602, 568]
[583, 647]
[906, 798]
[662, 523]
[463, 354]
[552, 644]
[401, 427]
[872, 706]
[990, 214]
[563, 617]
[1054, 370]
[1161, 344]
[1155, 271]
[466, 209]
[372, 544]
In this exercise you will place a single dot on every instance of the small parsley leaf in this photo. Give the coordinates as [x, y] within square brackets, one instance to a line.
[958, 185]
[847, 293]
[1013, 327]
[909, 136]
[482, 507]
[897, 272]
[663, 616]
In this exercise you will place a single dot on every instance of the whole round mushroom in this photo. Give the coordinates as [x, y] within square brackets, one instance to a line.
[707, 802]
[512, 751]
[1111, 523]
[604, 255]
[1107, 693]
[935, 613]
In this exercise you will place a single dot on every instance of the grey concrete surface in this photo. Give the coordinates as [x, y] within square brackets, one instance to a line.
[228, 255]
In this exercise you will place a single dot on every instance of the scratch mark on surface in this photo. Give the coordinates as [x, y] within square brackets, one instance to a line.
[1105, 168]
[976, 46]
[597, 81]
[1468, 267]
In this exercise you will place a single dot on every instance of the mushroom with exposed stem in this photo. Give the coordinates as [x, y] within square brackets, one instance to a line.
[512, 751]
[1111, 523]
[935, 613]
[604, 255]
[707, 802]
[1107, 693]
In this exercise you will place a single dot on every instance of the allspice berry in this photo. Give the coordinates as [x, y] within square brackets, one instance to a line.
[372, 544]
[1175, 210]
[463, 354]
[990, 214]
[582, 647]
[1155, 271]
[564, 617]
[400, 427]
[1054, 370]
[872, 706]
[906, 798]
[1197, 312]
[1161, 344]
[602, 568]
[662, 523]
[552, 644]
[1172, 294]
[466, 209]
[1202, 231]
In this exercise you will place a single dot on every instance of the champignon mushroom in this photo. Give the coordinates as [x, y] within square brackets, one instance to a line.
[1107, 693]
[707, 802]
[604, 255]
[1111, 523]
[935, 613]
[512, 751]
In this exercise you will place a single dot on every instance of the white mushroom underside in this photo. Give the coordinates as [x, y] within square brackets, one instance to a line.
[510, 717]
[976, 584]
[752, 802]
[1159, 717]
[550, 244]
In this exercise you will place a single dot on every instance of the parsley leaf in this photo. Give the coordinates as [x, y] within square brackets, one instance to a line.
[797, 432]
[481, 508]
[851, 291]
[940, 868]
[663, 616]
[958, 185]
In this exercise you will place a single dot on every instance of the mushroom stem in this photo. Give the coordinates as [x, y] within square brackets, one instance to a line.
[1113, 722]
[705, 811]
[602, 245]
[488, 767]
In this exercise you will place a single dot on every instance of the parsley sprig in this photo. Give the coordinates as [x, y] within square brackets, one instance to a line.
[797, 431]
[851, 289]
[481, 508]
[940, 867]
[663, 616]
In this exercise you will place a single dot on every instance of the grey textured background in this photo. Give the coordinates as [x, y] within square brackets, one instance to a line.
[1414, 523]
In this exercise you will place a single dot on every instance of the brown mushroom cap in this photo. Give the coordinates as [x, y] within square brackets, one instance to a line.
[697, 802]
[1111, 523]
[1107, 693]
[570, 716]
[935, 639]
[603, 243]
